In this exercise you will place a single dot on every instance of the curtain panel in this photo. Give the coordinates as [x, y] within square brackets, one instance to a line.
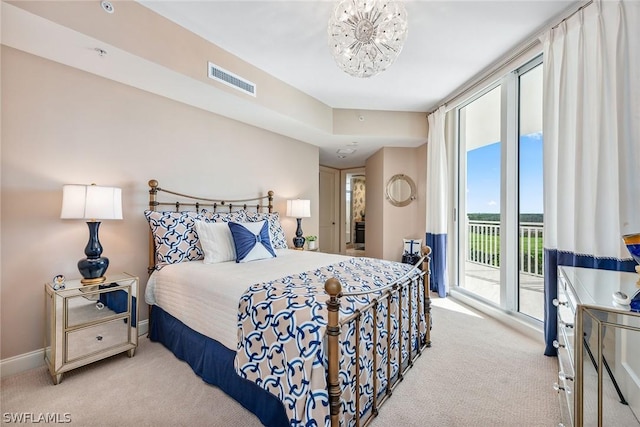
[436, 200]
[591, 128]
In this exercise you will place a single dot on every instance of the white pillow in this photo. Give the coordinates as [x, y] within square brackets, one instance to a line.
[216, 241]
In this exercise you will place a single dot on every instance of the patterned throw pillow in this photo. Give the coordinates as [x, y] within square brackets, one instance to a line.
[174, 236]
[252, 241]
[412, 246]
[276, 232]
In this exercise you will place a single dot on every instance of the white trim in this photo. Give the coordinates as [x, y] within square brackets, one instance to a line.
[22, 362]
[509, 186]
[143, 327]
[35, 359]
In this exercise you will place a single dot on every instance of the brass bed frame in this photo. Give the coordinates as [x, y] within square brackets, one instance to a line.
[402, 286]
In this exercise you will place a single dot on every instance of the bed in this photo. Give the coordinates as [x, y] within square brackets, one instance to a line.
[296, 337]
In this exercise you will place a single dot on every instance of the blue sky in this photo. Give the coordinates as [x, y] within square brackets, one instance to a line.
[483, 176]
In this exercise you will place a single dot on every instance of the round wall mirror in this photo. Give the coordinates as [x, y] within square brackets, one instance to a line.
[401, 190]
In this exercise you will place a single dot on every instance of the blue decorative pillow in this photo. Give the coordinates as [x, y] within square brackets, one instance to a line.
[278, 239]
[412, 246]
[252, 241]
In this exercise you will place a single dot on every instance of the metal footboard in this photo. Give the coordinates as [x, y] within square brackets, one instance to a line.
[409, 293]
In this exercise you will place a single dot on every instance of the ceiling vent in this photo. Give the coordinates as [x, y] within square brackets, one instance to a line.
[228, 78]
[346, 151]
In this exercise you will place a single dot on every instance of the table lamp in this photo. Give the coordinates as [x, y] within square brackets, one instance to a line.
[299, 209]
[92, 203]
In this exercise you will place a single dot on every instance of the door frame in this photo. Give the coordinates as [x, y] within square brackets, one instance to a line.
[509, 198]
[344, 174]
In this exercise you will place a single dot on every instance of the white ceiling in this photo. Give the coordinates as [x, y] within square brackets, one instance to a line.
[449, 43]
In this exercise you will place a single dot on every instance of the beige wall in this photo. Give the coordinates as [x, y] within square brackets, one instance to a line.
[62, 125]
[374, 230]
[387, 225]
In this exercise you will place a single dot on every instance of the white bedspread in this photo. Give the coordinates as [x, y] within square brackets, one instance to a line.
[205, 297]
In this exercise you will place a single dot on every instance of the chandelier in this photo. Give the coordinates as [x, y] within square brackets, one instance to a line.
[366, 36]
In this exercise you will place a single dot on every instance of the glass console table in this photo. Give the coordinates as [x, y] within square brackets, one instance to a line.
[604, 369]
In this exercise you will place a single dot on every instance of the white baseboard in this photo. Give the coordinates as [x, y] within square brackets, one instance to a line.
[143, 327]
[35, 359]
[22, 362]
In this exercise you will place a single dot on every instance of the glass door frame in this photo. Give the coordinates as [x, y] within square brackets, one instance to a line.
[509, 195]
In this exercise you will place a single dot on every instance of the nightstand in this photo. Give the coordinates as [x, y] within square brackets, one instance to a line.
[87, 323]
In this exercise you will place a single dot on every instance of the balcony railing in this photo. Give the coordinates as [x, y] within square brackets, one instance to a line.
[483, 245]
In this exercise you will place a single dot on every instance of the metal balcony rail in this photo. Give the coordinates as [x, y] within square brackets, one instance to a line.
[483, 245]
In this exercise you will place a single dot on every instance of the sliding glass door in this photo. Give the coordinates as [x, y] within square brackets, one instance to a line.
[499, 202]
[479, 133]
[530, 210]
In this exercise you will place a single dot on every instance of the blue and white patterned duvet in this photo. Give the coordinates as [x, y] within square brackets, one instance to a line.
[281, 330]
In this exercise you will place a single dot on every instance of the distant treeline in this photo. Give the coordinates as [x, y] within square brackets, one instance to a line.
[525, 217]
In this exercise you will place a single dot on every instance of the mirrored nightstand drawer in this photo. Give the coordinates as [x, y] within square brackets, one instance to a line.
[85, 309]
[93, 339]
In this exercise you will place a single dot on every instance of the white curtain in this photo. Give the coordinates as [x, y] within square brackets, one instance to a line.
[437, 193]
[591, 129]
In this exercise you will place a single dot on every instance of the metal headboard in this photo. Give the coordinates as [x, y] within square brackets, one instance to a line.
[196, 203]
[199, 203]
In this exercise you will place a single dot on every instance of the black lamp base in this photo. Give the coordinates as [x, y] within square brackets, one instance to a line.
[93, 267]
[298, 241]
[92, 270]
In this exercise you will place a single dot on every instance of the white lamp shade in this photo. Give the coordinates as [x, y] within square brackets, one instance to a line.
[299, 208]
[91, 202]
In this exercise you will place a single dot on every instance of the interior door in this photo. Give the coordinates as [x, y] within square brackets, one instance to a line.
[328, 233]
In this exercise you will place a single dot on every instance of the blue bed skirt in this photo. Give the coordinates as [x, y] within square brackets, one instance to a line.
[213, 362]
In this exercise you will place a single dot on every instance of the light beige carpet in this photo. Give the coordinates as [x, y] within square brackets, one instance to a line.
[478, 373]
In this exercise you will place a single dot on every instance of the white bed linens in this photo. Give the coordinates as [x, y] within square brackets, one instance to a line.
[205, 297]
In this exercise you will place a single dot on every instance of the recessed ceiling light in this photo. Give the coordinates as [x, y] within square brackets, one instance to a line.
[342, 156]
[107, 6]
